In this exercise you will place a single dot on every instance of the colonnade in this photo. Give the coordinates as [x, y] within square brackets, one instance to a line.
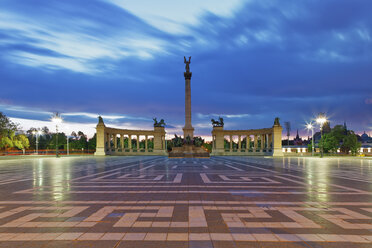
[265, 141]
[246, 142]
[107, 141]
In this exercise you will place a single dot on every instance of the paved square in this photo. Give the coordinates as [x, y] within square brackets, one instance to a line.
[161, 202]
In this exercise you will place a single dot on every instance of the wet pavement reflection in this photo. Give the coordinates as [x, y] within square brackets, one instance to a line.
[149, 201]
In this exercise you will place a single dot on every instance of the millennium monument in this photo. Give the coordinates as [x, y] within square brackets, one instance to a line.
[188, 130]
[188, 150]
[256, 142]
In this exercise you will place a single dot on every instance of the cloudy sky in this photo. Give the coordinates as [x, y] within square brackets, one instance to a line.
[123, 59]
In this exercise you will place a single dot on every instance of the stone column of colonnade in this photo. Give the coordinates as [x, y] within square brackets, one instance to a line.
[255, 143]
[122, 142]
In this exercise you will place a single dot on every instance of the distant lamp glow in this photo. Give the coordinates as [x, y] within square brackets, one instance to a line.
[37, 133]
[57, 119]
[309, 126]
[321, 119]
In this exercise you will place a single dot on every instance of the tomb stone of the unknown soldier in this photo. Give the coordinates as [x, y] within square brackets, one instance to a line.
[266, 141]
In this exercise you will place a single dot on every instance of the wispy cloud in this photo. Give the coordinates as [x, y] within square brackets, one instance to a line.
[203, 116]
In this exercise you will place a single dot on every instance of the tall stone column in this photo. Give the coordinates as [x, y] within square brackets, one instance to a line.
[255, 143]
[262, 142]
[122, 142]
[188, 130]
[129, 141]
[101, 138]
[146, 143]
[138, 143]
[109, 141]
[277, 139]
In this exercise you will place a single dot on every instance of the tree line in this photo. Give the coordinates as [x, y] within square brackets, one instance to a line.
[11, 136]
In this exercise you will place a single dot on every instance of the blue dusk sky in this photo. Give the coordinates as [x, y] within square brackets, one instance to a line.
[123, 59]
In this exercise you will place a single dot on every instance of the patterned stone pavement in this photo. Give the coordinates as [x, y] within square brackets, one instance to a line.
[161, 202]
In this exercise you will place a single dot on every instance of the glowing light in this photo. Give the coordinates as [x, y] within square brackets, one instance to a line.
[321, 119]
[309, 126]
[57, 118]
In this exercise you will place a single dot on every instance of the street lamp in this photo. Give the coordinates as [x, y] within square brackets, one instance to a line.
[56, 119]
[37, 133]
[68, 149]
[310, 126]
[321, 119]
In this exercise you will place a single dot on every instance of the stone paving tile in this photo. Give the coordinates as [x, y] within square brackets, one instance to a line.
[161, 202]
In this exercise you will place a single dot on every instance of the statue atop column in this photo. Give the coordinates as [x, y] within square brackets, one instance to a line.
[187, 63]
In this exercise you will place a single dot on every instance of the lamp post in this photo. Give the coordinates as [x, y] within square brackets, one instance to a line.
[37, 134]
[68, 153]
[311, 127]
[56, 119]
[321, 119]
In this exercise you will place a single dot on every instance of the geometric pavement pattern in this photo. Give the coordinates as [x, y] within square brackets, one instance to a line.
[161, 202]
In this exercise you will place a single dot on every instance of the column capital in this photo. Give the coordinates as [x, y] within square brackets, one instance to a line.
[187, 75]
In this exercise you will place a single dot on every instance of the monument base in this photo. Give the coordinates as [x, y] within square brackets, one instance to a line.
[100, 151]
[188, 151]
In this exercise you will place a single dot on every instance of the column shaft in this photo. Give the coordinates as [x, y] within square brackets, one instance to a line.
[262, 142]
[115, 139]
[122, 142]
[255, 142]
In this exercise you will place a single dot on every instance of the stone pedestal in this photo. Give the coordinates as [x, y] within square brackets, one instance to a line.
[188, 151]
[277, 141]
[101, 139]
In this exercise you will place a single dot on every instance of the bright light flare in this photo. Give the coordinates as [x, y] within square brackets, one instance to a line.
[309, 126]
[57, 118]
[321, 119]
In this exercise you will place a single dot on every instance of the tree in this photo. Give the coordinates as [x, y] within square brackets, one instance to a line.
[92, 142]
[45, 130]
[6, 143]
[329, 143]
[20, 141]
[7, 127]
[350, 143]
[338, 132]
